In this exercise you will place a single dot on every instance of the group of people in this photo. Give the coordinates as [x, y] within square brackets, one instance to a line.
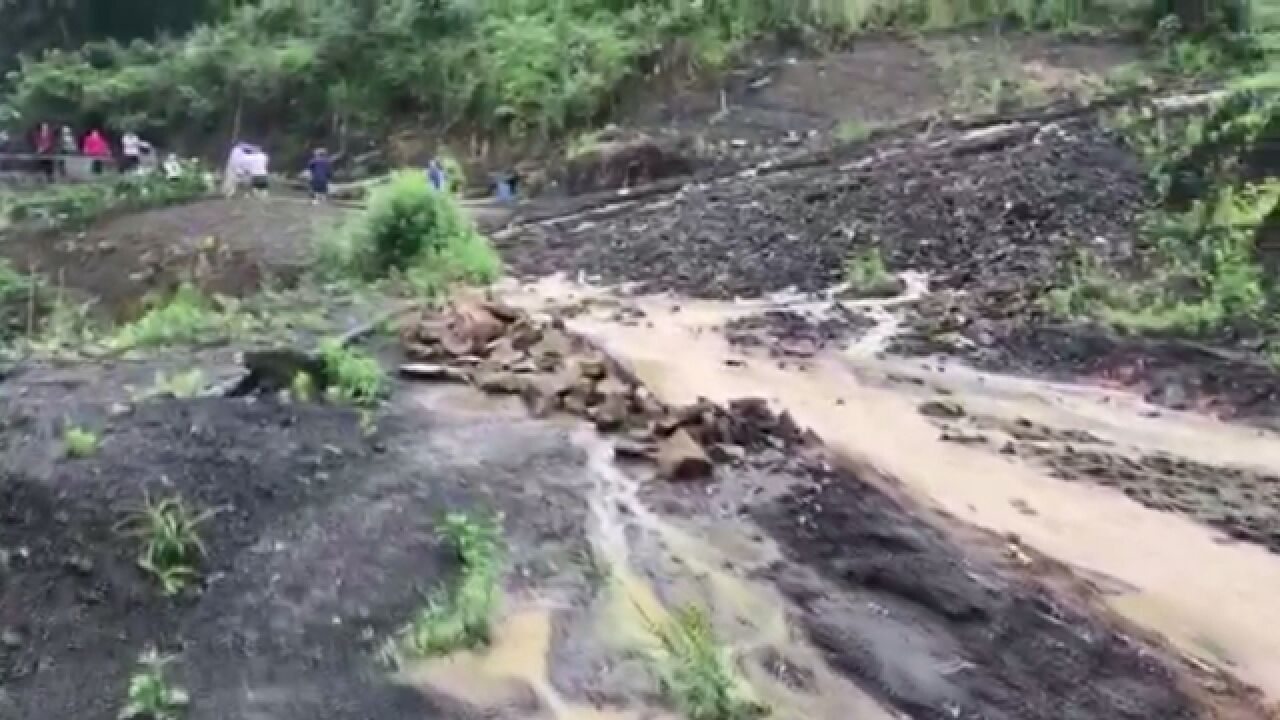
[93, 144]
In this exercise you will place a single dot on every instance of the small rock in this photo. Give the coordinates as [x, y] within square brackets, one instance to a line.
[680, 458]
[629, 448]
[592, 368]
[500, 383]
[948, 409]
[79, 564]
[433, 373]
[119, 410]
[728, 453]
[612, 412]
[12, 639]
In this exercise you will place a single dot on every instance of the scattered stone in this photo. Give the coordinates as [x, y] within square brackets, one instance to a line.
[433, 373]
[12, 639]
[119, 410]
[468, 329]
[945, 409]
[680, 458]
[500, 383]
[79, 564]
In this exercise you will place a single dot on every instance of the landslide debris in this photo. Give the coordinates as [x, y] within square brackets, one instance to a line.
[505, 351]
[988, 211]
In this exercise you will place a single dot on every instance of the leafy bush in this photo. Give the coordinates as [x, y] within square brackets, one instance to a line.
[406, 220]
[353, 376]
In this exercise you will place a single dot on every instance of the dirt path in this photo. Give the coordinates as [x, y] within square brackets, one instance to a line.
[1214, 599]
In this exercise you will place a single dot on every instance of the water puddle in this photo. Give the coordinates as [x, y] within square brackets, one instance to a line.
[1212, 599]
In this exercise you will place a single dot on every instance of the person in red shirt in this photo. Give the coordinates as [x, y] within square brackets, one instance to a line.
[95, 145]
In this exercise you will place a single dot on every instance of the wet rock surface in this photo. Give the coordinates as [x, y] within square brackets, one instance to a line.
[941, 634]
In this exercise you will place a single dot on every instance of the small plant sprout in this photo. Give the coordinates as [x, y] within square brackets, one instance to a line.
[303, 387]
[151, 696]
[79, 442]
[696, 672]
[461, 618]
[867, 276]
[171, 541]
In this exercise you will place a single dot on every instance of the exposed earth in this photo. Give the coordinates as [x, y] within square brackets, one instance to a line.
[926, 503]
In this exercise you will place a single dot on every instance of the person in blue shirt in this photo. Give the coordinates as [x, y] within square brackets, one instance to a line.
[436, 175]
[321, 171]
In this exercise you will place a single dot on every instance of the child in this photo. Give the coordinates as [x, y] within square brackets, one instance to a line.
[321, 170]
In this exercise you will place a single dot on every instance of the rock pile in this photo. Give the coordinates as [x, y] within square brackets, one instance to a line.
[502, 350]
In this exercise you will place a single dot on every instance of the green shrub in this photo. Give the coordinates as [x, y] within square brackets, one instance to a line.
[406, 220]
[353, 376]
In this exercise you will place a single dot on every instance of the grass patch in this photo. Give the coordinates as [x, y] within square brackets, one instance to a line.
[696, 672]
[354, 376]
[80, 442]
[184, 318]
[852, 130]
[462, 617]
[188, 384]
[73, 205]
[151, 696]
[171, 541]
[866, 275]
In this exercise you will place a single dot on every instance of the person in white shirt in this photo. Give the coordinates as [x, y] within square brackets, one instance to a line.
[256, 165]
[131, 149]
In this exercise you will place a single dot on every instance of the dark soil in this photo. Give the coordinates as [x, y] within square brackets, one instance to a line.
[990, 219]
[1229, 384]
[891, 601]
[1242, 503]
[797, 334]
[225, 246]
[322, 546]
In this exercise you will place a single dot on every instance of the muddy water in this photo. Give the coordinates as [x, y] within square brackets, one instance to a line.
[1213, 600]
[652, 566]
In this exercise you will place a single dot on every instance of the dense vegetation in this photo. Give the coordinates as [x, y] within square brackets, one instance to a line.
[526, 68]
[1212, 243]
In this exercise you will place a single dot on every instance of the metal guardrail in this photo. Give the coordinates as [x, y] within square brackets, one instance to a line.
[70, 167]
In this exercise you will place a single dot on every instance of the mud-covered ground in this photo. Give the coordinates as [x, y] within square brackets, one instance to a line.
[322, 545]
[229, 247]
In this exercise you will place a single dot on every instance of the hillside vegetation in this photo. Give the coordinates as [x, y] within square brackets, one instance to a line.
[520, 68]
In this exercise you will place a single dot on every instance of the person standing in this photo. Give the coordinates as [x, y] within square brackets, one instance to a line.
[256, 164]
[436, 175]
[44, 148]
[131, 149]
[96, 147]
[320, 170]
